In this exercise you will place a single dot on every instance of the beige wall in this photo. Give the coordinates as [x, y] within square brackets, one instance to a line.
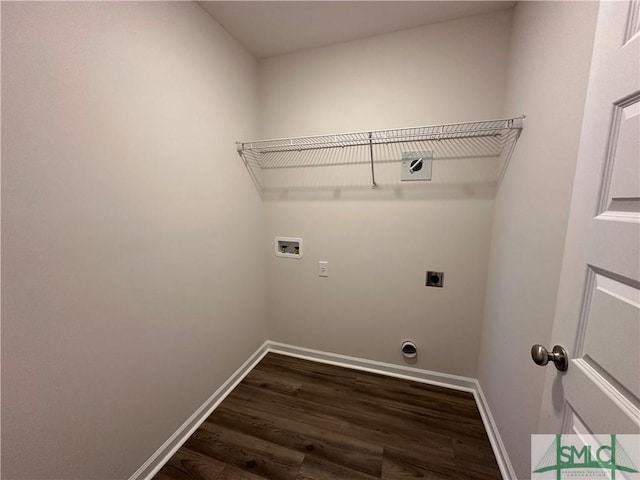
[134, 242]
[133, 272]
[379, 243]
[547, 78]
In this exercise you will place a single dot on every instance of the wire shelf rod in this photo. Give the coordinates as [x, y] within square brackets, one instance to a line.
[366, 142]
[445, 128]
[479, 139]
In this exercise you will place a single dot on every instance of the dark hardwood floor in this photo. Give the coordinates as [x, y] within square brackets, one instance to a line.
[293, 419]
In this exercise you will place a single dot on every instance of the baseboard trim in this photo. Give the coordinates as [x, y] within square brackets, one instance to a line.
[182, 434]
[455, 382]
[467, 384]
[499, 450]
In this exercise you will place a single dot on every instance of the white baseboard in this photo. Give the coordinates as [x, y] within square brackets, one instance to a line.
[389, 369]
[175, 441]
[467, 384]
[499, 450]
[455, 382]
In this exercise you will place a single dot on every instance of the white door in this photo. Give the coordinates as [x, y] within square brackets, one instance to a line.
[598, 311]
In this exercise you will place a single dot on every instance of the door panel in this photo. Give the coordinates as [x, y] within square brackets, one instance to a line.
[598, 401]
[612, 330]
[598, 308]
[633, 20]
[622, 194]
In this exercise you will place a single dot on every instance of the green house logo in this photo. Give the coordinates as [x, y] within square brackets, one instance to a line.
[585, 456]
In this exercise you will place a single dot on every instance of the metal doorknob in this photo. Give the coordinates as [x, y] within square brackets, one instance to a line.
[558, 356]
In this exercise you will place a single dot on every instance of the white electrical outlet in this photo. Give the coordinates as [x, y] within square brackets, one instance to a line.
[323, 268]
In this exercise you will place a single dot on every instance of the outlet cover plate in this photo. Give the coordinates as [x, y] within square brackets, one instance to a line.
[423, 172]
[435, 279]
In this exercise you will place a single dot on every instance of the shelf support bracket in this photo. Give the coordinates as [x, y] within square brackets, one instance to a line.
[373, 175]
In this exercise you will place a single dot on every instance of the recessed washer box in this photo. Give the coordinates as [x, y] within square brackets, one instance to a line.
[288, 247]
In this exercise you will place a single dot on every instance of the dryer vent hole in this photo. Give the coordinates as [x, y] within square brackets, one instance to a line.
[409, 349]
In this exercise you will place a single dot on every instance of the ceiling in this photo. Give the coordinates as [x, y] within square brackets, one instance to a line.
[268, 28]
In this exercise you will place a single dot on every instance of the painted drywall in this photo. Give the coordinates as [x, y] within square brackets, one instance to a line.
[380, 243]
[132, 266]
[547, 78]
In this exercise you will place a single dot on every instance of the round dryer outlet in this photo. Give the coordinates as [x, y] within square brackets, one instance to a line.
[409, 349]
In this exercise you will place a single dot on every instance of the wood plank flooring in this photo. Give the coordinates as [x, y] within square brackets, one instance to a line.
[293, 419]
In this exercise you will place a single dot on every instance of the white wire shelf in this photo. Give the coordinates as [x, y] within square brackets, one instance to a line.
[481, 139]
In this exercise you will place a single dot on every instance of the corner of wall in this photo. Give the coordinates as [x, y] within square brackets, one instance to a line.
[549, 61]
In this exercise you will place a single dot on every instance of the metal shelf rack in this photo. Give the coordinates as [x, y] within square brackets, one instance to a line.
[484, 138]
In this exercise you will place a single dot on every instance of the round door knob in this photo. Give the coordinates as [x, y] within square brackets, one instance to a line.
[559, 356]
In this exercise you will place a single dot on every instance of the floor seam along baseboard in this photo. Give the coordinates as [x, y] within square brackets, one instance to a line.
[456, 382]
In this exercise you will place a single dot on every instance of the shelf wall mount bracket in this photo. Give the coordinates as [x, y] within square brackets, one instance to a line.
[373, 172]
